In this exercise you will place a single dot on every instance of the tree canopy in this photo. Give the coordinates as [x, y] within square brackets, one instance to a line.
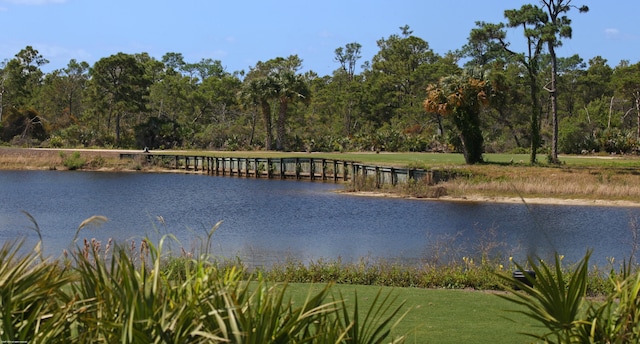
[375, 104]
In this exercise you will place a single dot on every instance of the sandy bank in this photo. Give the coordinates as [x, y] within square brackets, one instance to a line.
[487, 199]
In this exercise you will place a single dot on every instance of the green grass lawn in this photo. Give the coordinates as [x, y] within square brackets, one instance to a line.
[403, 159]
[442, 316]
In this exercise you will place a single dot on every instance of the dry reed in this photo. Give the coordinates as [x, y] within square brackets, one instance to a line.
[602, 184]
[52, 159]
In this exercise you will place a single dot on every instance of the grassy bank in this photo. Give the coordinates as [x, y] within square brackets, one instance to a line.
[50, 159]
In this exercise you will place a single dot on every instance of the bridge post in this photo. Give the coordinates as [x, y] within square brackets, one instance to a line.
[255, 168]
[312, 169]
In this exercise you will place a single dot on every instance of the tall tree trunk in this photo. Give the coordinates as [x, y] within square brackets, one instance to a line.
[266, 115]
[468, 124]
[118, 128]
[554, 103]
[347, 119]
[535, 115]
[637, 96]
[253, 125]
[282, 117]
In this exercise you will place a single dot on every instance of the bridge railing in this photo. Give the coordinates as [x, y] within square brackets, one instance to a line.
[301, 168]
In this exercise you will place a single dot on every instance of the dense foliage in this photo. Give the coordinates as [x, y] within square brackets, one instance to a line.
[135, 100]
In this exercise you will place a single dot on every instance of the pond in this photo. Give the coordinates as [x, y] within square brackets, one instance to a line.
[266, 221]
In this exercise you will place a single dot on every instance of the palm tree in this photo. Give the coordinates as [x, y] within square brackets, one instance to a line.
[462, 97]
[258, 92]
[287, 87]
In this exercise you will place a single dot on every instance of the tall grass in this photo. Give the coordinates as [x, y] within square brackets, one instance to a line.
[563, 182]
[33, 306]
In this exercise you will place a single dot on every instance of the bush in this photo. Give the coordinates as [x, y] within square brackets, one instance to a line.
[56, 142]
[576, 135]
[73, 162]
[617, 141]
[158, 132]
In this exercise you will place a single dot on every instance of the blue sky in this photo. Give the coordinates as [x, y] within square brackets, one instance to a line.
[240, 32]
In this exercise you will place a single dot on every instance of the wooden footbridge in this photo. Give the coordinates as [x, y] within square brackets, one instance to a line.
[300, 168]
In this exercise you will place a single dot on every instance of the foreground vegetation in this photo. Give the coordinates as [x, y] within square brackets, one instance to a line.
[129, 298]
[113, 293]
[140, 295]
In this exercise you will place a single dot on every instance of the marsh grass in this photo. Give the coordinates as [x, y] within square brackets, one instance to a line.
[448, 262]
[12, 159]
[561, 182]
[46, 159]
[598, 183]
[73, 161]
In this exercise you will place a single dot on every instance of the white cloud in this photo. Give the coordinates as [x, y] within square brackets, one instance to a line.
[612, 33]
[616, 34]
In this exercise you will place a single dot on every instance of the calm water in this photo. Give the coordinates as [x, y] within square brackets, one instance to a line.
[269, 220]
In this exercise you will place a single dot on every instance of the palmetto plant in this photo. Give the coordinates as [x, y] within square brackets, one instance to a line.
[553, 297]
[375, 327]
[557, 301]
[617, 320]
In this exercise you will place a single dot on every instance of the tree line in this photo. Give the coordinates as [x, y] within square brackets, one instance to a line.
[483, 97]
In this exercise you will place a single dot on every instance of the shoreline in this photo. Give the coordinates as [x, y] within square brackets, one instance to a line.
[49, 159]
[503, 199]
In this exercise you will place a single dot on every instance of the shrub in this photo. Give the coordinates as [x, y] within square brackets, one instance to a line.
[552, 297]
[73, 162]
[617, 141]
[56, 142]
